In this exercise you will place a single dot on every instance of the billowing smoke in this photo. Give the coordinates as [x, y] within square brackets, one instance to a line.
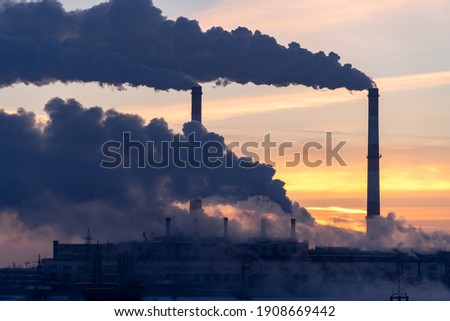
[131, 42]
[52, 184]
[248, 214]
[391, 231]
[51, 173]
[51, 176]
[387, 233]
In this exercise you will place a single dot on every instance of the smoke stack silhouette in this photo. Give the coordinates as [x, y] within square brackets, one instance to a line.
[196, 103]
[373, 162]
[168, 229]
[293, 231]
[196, 115]
[225, 228]
[263, 228]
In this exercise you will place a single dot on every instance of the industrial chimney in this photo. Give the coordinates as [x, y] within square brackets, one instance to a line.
[293, 232]
[225, 228]
[196, 114]
[168, 232]
[373, 161]
[196, 103]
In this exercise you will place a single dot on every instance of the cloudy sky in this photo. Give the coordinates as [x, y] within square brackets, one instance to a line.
[402, 45]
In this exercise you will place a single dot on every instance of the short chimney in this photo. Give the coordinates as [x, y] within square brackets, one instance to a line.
[225, 227]
[293, 231]
[168, 231]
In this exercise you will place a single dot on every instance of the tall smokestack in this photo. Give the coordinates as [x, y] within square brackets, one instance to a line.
[263, 228]
[373, 160]
[196, 114]
[293, 232]
[196, 103]
[225, 228]
[168, 232]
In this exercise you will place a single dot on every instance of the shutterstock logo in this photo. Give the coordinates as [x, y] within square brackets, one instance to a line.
[187, 151]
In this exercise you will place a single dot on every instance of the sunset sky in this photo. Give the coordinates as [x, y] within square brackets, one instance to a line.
[402, 45]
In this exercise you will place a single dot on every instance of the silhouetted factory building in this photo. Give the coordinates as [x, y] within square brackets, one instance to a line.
[168, 266]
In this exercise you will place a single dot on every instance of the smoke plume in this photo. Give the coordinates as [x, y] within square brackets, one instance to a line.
[388, 233]
[131, 42]
[51, 173]
[52, 184]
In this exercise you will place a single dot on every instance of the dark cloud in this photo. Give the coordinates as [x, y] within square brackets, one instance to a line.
[51, 174]
[131, 42]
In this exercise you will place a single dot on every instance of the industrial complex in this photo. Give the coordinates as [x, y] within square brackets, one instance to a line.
[196, 267]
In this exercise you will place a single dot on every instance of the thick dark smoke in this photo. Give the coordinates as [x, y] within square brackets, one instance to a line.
[51, 174]
[52, 184]
[131, 42]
